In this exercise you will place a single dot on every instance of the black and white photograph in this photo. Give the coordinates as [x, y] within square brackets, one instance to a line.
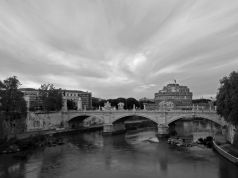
[118, 88]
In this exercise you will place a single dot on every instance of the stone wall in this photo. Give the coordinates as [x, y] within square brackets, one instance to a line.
[43, 121]
[11, 124]
[235, 140]
[232, 135]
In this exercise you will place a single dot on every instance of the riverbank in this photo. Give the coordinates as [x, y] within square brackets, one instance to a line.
[35, 139]
[55, 131]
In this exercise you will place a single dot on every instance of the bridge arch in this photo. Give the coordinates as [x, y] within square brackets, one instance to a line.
[84, 117]
[88, 115]
[209, 118]
[134, 114]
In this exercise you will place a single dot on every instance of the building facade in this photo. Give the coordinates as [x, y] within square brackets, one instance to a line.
[36, 102]
[176, 94]
[172, 96]
[34, 97]
[86, 97]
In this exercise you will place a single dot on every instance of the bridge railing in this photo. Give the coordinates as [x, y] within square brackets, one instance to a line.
[144, 111]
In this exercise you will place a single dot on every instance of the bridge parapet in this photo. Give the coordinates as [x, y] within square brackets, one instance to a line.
[143, 111]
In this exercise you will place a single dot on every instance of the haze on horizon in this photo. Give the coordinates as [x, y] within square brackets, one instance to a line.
[119, 48]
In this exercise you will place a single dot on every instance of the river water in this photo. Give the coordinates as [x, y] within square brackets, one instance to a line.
[91, 155]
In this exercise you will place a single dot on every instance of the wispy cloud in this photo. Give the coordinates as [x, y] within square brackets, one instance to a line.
[119, 48]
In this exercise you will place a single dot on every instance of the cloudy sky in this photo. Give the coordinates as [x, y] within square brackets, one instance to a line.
[116, 48]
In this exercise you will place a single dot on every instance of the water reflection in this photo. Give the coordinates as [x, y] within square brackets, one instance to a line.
[92, 155]
[227, 169]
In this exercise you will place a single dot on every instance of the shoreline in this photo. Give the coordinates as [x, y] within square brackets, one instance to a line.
[30, 140]
[225, 153]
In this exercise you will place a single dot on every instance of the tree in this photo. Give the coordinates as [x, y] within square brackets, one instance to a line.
[141, 103]
[2, 86]
[113, 102]
[71, 105]
[11, 98]
[199, 101]
[96, 102]
[13, 107]
[11, 83]
[51, 97]
[102, 102]
[130, 102]
[227, 98]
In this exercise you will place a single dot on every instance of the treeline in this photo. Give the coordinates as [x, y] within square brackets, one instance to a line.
[12, 99]
[202, 100]
[128, 103]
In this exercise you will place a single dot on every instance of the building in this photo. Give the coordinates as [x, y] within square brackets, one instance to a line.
[86, 97]
[176, 94]
[34, 97]
[172, 96]
[36, 102]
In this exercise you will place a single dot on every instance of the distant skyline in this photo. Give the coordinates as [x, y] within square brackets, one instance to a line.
[119, 48]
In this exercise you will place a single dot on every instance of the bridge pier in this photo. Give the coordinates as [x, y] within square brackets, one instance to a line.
[107, 129]
[66, 125]
[163, 131]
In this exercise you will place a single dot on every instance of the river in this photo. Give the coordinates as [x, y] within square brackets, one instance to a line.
[90, 155]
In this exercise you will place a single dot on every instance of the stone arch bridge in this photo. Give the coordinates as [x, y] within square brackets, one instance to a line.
[109, 118]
